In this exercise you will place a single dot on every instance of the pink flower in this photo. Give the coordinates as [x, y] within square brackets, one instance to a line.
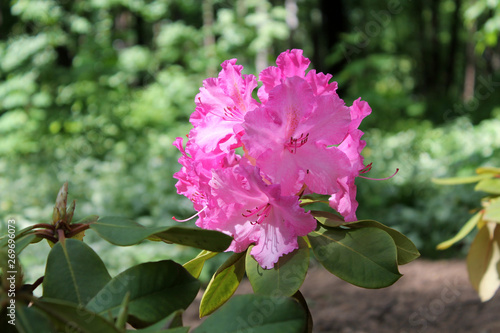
[344, 201]
[301, 138]
[293, 63]
[256, 213]
[220, 108]
[196, 171]
[292, 138]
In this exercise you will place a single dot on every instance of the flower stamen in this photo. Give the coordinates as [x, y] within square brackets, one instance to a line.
[397, 170]
[295, 143]
[189, 218]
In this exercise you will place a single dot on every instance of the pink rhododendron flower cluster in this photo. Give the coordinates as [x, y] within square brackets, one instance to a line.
[247, 162]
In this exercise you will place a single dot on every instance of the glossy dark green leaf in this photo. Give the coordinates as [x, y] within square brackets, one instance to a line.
[74, 318]
[169, 324]
[491, 186]
[223, 284]
[195, 237]
[195, 265]
[74, 272]
[257, 314]
[124, 232]
[407, 251]
[156, 290]
[33, 320]
[302, 301]
[327, 218]
[365, 257]
[285, 278]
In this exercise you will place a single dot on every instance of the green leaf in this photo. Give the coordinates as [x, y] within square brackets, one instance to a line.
[74, 318]
[407, 251]
[257, 314]
[461, 180]
[124, 232]
[195, 265]
[33, 320]
[327, 218]
[489, 185]
[483, 261]
[302, 301]
[285, 278]
[4, 240]
[87, 220]
[26, 240]
[195, 237]
[74, 272]
[223, 284]
[464, 231]
[365, 257]
[122, 317]
[156, 290]
[169, 324]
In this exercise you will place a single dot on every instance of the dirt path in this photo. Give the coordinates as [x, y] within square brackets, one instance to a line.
[431, 297]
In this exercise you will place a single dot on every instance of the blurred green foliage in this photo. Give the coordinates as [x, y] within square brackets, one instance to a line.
[94, 92]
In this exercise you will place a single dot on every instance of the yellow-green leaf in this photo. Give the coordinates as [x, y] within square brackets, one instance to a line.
[489, 185]
[492, 211]
[461, 180]
[195, 265]
[466, 229]
[223, 284]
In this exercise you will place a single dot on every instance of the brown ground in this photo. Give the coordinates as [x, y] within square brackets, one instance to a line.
[431, 297]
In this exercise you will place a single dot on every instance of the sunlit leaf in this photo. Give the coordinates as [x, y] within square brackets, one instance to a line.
[365, 257]
[74, 272]
[492, 211]
[483, 261]
[256, 313]
[223, 284]
[461, 180]
[464, 231]
[488, 170]
[195, 265]
[285, 278]
[489, 185]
